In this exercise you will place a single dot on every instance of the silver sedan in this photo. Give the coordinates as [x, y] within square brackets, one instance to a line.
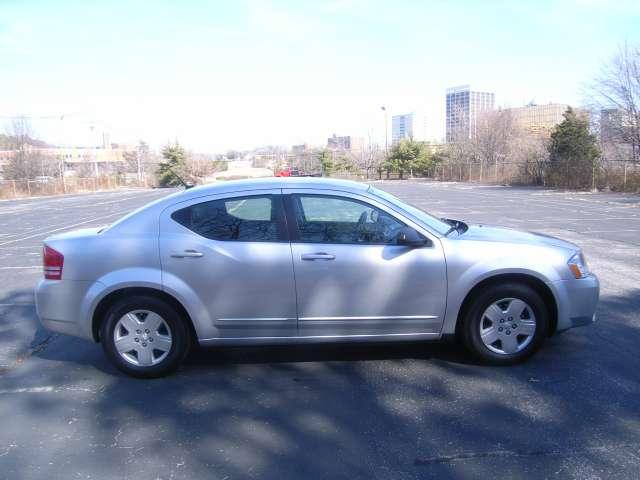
[306, 260]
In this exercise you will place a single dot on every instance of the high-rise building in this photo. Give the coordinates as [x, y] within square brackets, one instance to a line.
[408, 126]
[619, 135]
[346, 142]
[401, 127]
[462, 110]
[538, 120]
[616, 125]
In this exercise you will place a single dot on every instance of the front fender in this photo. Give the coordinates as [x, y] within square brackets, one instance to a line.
[463, 274]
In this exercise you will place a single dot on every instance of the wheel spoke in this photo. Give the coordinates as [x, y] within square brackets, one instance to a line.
[130, 322]
[142, 337]
[152, 321]
[490, 335]
[145, 356]
[162, 342]
[493, 313]
[509, 343]
[526, 327]
[125, 344]
[516, 307]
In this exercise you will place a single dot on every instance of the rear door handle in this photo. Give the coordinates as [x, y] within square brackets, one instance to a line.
[317, 256]
[187, 253]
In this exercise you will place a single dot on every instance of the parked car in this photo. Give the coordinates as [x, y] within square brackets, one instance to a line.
[282, 261]
[288, 172]
[43, 179]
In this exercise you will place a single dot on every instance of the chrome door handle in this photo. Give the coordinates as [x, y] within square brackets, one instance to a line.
[317, 256]
[187, 253]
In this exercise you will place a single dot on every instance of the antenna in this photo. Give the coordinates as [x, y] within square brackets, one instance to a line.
[186, 185]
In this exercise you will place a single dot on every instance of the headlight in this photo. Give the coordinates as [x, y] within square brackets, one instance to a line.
[578, 265]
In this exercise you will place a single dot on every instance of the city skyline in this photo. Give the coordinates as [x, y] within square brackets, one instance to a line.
[217, 76]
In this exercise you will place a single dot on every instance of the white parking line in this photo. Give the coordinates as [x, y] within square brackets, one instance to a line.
[83, 205]
[67, 227]
[50, 389]
[21, 268]
[613, 231]
[29, 390]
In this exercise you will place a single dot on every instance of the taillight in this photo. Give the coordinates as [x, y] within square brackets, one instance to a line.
[53, 261]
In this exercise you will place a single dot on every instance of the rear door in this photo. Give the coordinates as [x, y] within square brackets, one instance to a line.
[352, 278]
[231, 255]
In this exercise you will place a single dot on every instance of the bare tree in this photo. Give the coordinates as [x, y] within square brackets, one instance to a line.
[492, 140]
[25, 162]
[530, 156]
[369, 159]
[616, 93]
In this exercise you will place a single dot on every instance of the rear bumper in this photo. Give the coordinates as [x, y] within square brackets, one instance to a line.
[577, 301]
[63, 306]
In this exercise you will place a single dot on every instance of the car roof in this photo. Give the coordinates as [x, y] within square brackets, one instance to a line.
[272, 182]
[145, 217]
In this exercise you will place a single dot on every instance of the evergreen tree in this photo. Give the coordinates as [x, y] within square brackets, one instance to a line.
[327, 165]
[410, 156]
[573, 153]
[173, 165]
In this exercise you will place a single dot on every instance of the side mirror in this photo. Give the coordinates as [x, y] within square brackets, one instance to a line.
[410, 238]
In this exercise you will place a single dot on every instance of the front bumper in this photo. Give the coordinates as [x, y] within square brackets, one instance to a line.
[62, 306]
[577, 301]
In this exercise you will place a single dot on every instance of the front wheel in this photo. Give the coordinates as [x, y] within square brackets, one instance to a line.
[505, 324]
[144, 336]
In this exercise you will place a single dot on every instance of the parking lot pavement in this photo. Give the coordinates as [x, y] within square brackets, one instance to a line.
[394, 411]
[23, 226]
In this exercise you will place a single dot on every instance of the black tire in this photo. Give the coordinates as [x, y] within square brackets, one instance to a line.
[180, 335]
[470, 330]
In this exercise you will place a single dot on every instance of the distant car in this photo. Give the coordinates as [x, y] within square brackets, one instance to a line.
[274, 261]
[288, 172]
[43, 179]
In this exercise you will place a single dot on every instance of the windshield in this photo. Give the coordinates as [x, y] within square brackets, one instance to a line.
[435, 223]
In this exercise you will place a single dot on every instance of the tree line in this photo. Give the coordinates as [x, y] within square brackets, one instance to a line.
[594, 147]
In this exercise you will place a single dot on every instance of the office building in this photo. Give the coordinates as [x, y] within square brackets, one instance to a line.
[616, 125]
[408, 126]
[463, 107]
[344, 143]
[538, 120]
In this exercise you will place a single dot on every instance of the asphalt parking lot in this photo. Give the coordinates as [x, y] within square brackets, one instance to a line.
[384, 412]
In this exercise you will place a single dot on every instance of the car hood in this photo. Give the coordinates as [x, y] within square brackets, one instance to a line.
[488, 233]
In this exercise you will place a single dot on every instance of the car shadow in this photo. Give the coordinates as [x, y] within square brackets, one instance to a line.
[202, 357]
[406, 410]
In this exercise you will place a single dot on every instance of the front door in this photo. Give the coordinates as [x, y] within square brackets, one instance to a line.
[228, 256]
[352, 278]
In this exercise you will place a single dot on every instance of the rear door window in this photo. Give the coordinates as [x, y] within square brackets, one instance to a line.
[255, 218]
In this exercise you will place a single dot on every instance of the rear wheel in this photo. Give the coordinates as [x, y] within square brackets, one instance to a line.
[505, 324]
[144, 336]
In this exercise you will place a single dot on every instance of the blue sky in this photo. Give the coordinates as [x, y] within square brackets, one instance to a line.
[237, 74]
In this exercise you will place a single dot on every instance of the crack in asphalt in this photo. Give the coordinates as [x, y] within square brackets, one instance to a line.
[519, 453]
[21, 357]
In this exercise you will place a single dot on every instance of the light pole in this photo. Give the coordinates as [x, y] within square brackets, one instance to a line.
[386, 131]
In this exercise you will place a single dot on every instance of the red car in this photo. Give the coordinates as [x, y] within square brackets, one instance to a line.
[288, 172]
